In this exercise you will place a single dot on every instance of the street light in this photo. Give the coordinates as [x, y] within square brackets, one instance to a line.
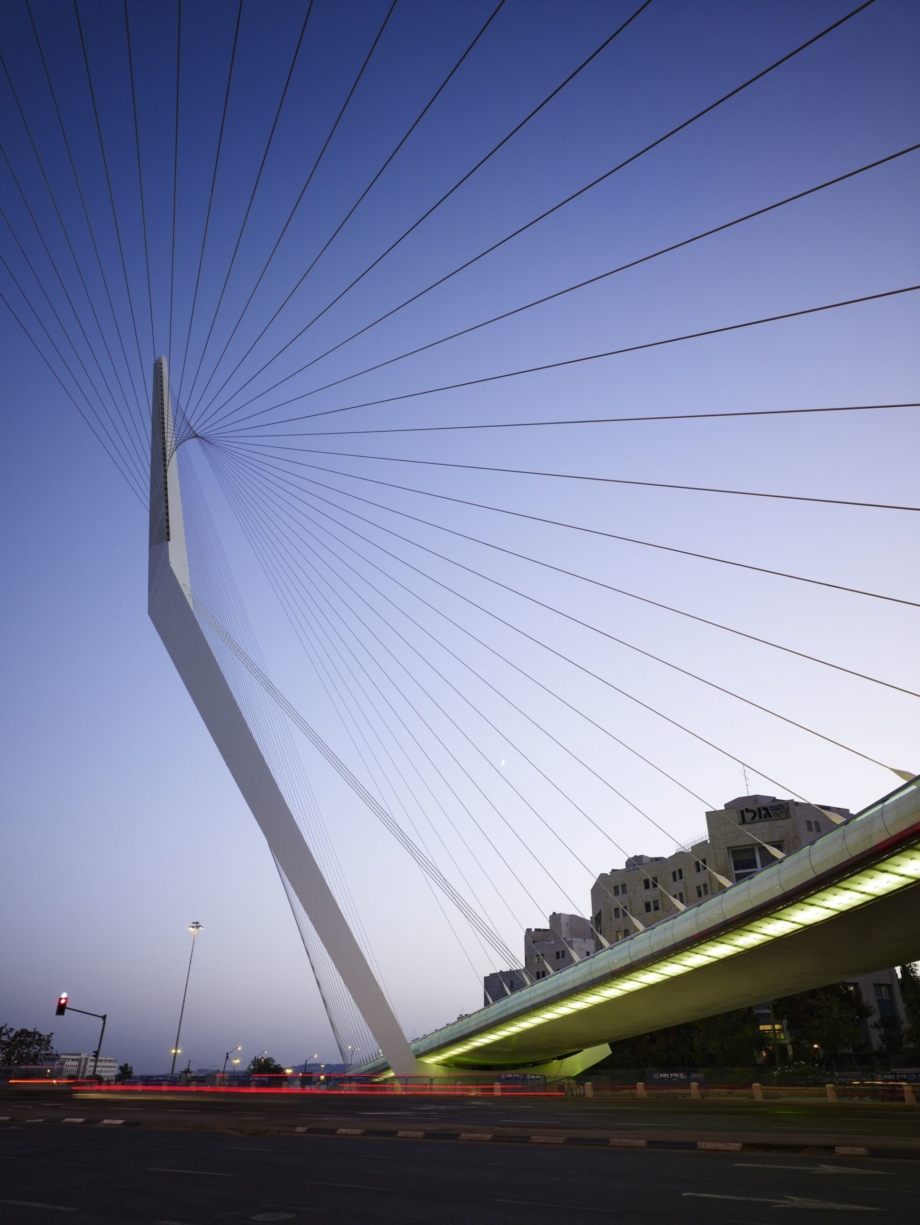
[194, 928]
[227, 1056]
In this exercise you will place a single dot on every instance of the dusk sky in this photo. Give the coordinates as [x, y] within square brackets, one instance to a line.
[459, 682]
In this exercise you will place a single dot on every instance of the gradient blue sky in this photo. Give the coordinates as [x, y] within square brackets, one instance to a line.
[120, 823]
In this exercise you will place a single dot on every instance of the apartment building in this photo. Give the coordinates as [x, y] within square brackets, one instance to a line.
[567, 939]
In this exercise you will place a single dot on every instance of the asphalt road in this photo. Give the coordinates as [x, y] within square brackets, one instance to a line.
[140, 1175]
[872, 1124]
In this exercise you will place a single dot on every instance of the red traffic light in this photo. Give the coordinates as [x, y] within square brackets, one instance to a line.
[61, 1005]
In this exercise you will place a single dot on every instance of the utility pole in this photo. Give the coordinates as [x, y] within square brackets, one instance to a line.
[194, 928]
[64, 1003]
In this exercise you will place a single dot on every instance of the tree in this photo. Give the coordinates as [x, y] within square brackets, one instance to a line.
[264, 1065]
[663, 1048]
[830, 1017]
[910, 994]
[729, 1040]
[25, 1046]
[125, 1072]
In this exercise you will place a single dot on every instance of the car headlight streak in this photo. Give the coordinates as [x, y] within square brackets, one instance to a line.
[894, 873]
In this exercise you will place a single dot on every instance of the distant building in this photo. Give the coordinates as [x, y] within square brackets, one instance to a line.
[567, 939]
[79, 1067]
[648, 889]
[503, 982]
[643, 891]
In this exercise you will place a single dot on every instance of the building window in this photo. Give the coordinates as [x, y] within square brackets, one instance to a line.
[677, 875]
[808, 826]
[748, 860]
[700, 865]
[616, 890]
[883, 1001]
[648, 907]
[680, 896]
[560, 954]
[656, 905]
[702, 890]
[817, 827]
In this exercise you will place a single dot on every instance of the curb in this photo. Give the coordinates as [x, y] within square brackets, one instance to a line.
[580, 1141]
[500, 1137]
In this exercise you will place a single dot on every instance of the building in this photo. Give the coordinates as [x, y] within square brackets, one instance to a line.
[503, 982]
[648, 889]
[736, 845]
[567, 939]
[79, 1067]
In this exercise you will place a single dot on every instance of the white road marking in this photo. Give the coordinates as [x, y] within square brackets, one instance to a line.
[810, 1169]
[787, 1201]
[27, 1203]
[533, 1203]
[161, 1169]
[75, 1120]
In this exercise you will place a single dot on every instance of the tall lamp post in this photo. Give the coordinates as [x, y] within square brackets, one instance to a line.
[227, 1056]
[194, 928]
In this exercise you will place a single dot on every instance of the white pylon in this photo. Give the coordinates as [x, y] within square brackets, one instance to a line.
[171, 611]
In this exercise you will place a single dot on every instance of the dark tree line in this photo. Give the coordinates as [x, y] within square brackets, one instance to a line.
[25, 1046]
[824, 1022]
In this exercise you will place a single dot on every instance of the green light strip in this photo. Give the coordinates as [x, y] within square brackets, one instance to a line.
[892, 874]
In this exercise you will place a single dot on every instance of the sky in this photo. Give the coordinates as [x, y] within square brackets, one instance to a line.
[471, 674]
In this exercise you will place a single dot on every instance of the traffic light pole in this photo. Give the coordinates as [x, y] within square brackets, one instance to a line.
[62, 1008]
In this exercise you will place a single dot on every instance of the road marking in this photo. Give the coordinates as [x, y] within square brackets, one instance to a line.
[411, 1135]
[787, 1201]
[533, 1203]
[844, 1150]
[349, 1131]
[349, 1186]
[301, 1129]
[809, 1169]
[112, 1122]
[27, 1203]
[74, 1120]
[34, 1120]
[160, 1169]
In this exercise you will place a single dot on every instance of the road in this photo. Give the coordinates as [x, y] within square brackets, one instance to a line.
[49, 1172]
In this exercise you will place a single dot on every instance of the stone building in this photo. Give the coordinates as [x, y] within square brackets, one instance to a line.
[736, 845]
[567, 939]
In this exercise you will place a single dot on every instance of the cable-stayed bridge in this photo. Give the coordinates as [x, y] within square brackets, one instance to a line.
[473, 572]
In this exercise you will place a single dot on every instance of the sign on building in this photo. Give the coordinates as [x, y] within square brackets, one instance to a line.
[777, 811]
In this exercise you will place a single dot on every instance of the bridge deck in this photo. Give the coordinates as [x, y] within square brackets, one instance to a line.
[844, 905]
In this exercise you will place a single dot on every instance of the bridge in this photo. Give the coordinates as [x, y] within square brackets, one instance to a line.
[838, 907]
[479, 459]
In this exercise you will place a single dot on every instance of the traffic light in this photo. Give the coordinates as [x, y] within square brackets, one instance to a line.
[61, 1004]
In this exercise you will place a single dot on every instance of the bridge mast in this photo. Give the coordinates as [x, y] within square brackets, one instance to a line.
[172, 612]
